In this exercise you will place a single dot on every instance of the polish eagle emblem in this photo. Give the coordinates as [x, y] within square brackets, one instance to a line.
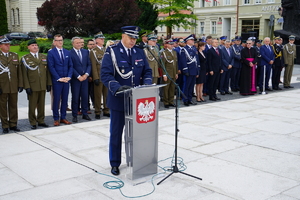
[146, 111]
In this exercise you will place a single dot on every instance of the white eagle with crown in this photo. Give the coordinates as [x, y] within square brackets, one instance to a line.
[145, 110]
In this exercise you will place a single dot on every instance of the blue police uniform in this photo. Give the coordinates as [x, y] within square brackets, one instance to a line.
[118, 70]
[190, 67]
[236, 68]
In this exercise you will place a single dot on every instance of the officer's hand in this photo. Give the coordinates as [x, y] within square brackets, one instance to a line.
[97, 82]
[28, 91]
[123, 87]
[0, 91]
[20, 89]
[186, 74]
[48, 88]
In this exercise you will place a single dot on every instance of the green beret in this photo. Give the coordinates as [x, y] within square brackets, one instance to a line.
[31, 42]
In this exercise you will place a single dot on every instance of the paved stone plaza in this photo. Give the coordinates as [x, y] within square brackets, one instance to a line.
[244, 148]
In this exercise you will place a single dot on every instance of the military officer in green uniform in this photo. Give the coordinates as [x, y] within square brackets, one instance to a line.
[100, 91]
[37, 80]
[152, 60]
[169, 60]
[289, 55]
[11, 82]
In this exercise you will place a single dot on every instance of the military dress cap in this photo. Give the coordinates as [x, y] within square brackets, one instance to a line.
[4, 41]
[252, 38]
[131, 31]
[238, 38]
[144, 34]
[277, 38]
[190, 37]
[152, 37]
[31, 42]
[99, 35]
[259, 41]
[232, 40]
[292, 37]
[223, 37]
[169, 41]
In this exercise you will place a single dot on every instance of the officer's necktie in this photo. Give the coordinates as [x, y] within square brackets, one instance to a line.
[217, 51]
[79, 55]
[35, 56]
[61, 55]
[129, 55]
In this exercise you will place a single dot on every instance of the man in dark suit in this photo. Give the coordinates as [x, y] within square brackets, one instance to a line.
[214, 60]
[236, 68]
[278, 63]
[79, 82]
[61, 69]
[227, 63]
[123, 67]
[267, 59]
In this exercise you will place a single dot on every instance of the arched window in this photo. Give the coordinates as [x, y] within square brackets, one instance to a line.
[13, 22]
[18, 16]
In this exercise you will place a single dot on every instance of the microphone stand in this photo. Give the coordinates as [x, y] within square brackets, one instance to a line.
[175, 167]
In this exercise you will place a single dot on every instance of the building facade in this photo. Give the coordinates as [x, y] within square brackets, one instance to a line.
[21, 15]
[249, 18]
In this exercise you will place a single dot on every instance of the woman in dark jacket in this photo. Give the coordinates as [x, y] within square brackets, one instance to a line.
[202, 74]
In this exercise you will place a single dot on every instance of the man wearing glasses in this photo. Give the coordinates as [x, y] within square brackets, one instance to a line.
[11, 81]
[61, 69]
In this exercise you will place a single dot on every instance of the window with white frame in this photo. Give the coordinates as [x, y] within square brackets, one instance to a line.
[246, 1]
[215, 2]
[18, 16]
[271, 1]
[201, 27]
[202, 3]
[257, 1]
[161, 28]
[13, 17]
[227, 2]
[213, 27]
[178, 29]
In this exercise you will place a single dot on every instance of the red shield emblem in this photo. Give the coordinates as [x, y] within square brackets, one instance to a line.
[145, 110]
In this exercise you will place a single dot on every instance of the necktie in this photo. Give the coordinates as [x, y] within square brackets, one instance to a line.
[35, 56]
[217, 50]
[228, 51]
[129, 55]
[269, 48]
[79, 55]
[61, 55]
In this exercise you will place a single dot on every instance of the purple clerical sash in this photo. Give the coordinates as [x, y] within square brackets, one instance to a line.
[252, 76]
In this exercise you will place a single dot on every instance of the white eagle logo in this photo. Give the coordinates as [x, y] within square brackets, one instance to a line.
[145, 110]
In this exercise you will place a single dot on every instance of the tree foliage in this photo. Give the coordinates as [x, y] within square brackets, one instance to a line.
[3, 18]
[179, 13]
[148, 19]
[82, 17]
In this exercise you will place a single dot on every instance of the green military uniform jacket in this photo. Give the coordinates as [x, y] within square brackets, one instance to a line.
[152, 61]
[289, 54]
[35, 72]
[10, 81]
[170, 62]
[96, 56]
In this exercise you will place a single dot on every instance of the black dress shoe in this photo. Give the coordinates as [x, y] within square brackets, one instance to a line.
[291, 86]
[192, 103]
[275, 88]
[115, 171]
[279, 88]
[233, 90]
[33, 127]
[86, 117]
[43, 125]
[286, 86]
[217, 98]
[172, 105]
[269, 89]
[106, 114]
[166, 106]
[229, 93]
[97, 116]
[5, 130]
[74, 119]
[222, 93]
[14, 129]
[212, 99]
[186, 103]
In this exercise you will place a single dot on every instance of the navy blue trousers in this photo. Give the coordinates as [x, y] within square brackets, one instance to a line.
[79, 94]
[117, 122]
[267, 78]
[188, 87]
[235, 78]
[224, 81]
[60, 97]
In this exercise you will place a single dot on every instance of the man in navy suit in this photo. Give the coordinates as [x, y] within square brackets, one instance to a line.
[61, 69]
[214, 60]
[267, 59]
[189, 67]
[123, 67]
[227, 63]
[79, 82]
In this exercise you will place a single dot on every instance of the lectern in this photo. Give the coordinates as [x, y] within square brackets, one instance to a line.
[141, 130]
